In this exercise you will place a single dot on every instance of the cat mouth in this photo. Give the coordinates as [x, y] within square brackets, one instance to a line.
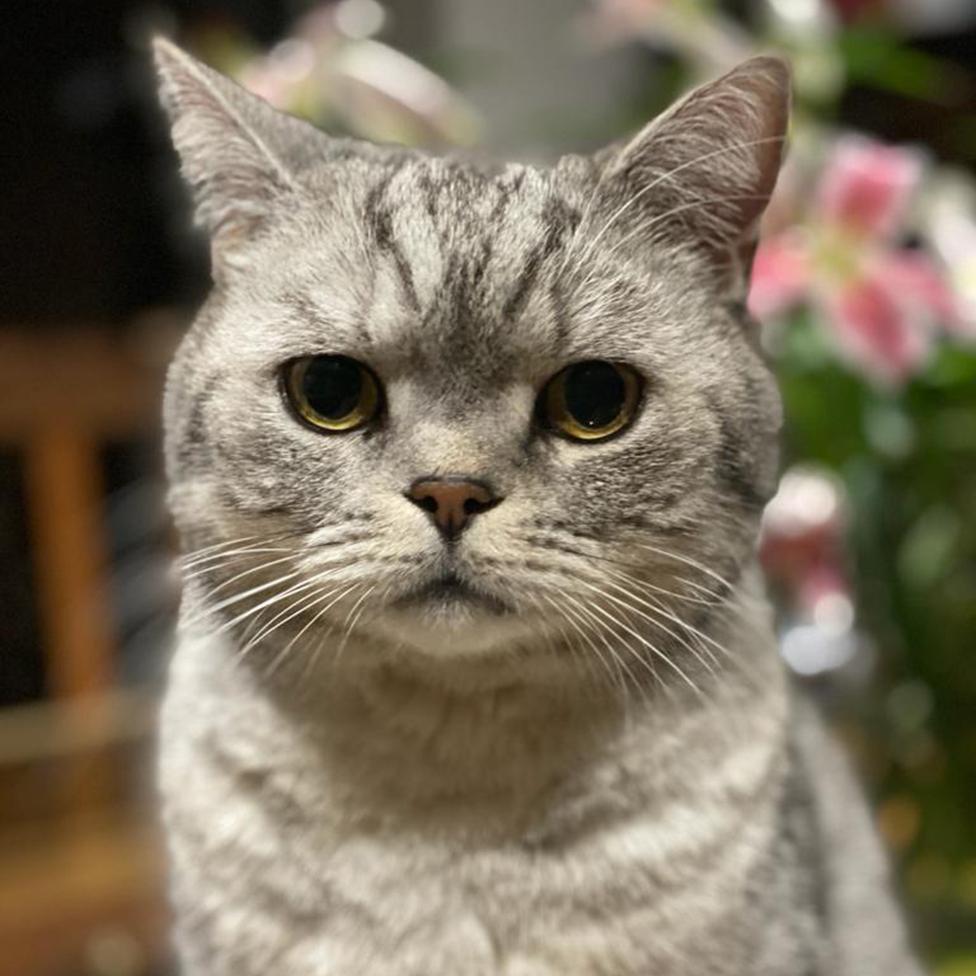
[450, 590]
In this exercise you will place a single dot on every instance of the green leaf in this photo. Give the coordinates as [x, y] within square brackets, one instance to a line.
[874, 57]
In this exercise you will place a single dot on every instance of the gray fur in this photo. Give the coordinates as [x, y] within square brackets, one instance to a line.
[597, 768]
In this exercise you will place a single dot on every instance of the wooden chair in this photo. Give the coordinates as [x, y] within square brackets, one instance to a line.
[86, 875]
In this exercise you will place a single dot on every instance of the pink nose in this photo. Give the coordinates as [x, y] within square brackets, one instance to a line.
[452, 501]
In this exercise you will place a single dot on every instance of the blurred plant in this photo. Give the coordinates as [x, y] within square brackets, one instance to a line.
[697, 28]
[949, 224]
[881, 303]
[802, 550]
[331, 69]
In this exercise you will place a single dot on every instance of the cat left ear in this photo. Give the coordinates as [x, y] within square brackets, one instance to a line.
[233, 146]
[702, 172]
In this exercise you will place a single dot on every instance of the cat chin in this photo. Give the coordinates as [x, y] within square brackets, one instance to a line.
[453, 630]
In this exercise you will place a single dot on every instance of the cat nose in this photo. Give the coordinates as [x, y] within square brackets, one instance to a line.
[452, 501]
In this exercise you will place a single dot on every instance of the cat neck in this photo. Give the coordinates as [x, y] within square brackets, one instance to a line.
[407, 737]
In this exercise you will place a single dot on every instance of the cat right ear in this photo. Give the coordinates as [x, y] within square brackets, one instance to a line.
[233, 146]
[702, 173]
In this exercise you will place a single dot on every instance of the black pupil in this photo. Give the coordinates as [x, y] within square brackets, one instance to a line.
[332, 386]
[595, 394]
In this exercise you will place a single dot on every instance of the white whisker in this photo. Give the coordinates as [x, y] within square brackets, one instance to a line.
[297, 588]
[591, 610]
[233, 579]
[659, 611]
[651, 647]
[663, 177]
[280, 657]
[193, 560]
[352, 618]
[282, 617]
[583, 628]
[727, 586]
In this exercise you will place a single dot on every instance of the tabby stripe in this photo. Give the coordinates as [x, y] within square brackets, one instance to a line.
[731, 467]
[379, 222]
[556, 226]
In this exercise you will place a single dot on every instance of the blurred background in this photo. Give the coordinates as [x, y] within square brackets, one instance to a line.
[865, 285]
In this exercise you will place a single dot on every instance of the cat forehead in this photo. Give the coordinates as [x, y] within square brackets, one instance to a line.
[454, 218]
[419, 264]
[432, 252]
[449, 188]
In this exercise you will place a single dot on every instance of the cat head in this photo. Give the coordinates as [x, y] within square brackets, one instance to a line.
[459, 408]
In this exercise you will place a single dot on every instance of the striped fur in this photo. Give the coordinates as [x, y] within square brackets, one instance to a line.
[596, 766]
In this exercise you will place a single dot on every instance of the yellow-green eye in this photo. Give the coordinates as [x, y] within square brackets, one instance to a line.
[591, 400]
[332, 393]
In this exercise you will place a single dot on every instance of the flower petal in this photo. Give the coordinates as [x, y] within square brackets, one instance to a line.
[866, 186]
[921, 283]
[877, 329]
[780, 275]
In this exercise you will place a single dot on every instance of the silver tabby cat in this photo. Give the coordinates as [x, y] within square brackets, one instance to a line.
[475, 674]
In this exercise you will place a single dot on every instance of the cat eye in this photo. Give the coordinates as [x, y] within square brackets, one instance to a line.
[591, 400]
[331, 393]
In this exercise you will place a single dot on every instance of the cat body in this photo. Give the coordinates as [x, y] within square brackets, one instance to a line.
[672, 842]
[464, 686]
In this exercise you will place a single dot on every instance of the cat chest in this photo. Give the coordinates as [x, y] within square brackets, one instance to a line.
[352, 904]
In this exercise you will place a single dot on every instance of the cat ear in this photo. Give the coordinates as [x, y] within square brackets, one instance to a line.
[237, 152]
[702, 172]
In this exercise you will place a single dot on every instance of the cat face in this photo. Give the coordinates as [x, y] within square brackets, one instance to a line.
[457, 407]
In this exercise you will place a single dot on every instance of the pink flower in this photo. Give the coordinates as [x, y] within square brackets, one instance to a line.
[920, 282]
[780, 274]
[867, 187]
[878, 326]
[881, 304]
[802, 538]
[803, 553]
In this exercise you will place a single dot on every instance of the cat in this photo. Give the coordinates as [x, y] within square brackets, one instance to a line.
[475, 674]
